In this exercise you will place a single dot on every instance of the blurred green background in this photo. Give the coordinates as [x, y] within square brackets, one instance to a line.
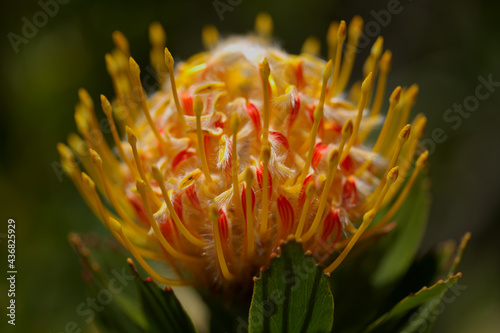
[441, 45]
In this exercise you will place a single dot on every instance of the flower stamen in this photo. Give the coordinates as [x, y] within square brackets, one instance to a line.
[71, 168]
[210, 36]
[265, 156]
[402, 138]
[355, 31]
[216, 219]
[385, 65]
[110, 191]
[136, 75]
[121, 42]
[106, 107]
[112, 68]
[394, 100]
[116, 227]
[318, 116]
[421, 162]
[157, 175]
[418, 127]
[311, 46]
[365, 89]
[103, 213]
[409, 101]
[333, 162]
[235, 127]
[367, 219]
[250, 237]
[141, 189]
[198, 109]
[265, 75]
[157, 38]
[264, 25]
[132, 140]
[331, 40]
[90, 130]
[286, 217]
[341, 35]
[169, 61]
[371, 63]
[310, 189]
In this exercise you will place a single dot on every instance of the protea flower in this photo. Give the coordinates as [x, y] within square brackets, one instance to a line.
[242, 147]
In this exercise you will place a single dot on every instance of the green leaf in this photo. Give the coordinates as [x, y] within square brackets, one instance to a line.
[117, 310]
[460, 253]
[113, 319]
[403, 242]
[410, 302]
[292, 295]
[425, 317]
[162, 309]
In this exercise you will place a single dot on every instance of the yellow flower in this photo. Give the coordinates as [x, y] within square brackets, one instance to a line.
[241, 147]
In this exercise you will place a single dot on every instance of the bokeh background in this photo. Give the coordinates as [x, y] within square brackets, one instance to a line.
[441, 45]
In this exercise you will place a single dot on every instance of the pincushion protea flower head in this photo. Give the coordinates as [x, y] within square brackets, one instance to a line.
[242, 147]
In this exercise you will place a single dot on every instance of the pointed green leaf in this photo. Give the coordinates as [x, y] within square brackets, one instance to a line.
[292, 295]
[410, 302]
[117, 310]
[113, 319]
[426, 316]
[161, 307]
[460, 253]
